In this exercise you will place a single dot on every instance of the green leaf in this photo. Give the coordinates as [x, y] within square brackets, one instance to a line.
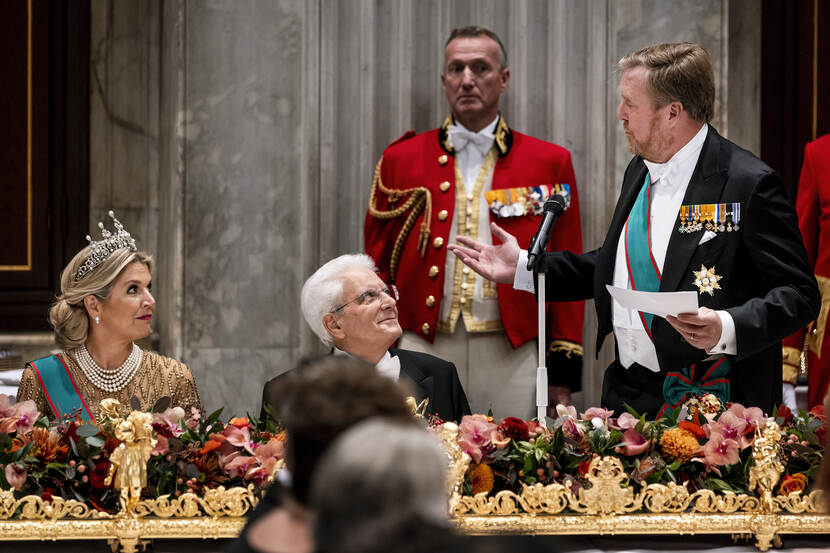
[87, 430]
[675, 465]
[95, 441]
[719, 485]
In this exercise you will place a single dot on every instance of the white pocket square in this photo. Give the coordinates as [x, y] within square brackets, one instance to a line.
[708, 235]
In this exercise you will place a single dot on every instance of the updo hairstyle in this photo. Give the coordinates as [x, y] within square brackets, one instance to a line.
[68, 315]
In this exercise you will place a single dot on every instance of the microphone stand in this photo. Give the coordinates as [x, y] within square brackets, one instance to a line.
[541, 370]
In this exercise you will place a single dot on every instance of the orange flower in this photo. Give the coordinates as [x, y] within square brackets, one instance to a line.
[793, 483]
[215, 442]
[482, 478]
[693, 428]
[47, 446]
[240, 422]
[679, 444]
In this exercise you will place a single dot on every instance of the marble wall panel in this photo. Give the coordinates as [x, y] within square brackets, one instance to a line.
[243, 228]
[245, 135]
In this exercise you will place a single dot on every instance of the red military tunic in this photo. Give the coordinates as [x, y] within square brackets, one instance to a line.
[813, 206]
[416, 175]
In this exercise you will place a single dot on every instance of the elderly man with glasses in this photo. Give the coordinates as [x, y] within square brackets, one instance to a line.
[353, 311]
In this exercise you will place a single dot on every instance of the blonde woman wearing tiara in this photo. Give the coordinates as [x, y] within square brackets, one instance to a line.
[105, 305]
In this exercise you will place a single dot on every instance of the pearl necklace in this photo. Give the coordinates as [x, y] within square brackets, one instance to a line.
[109, 381]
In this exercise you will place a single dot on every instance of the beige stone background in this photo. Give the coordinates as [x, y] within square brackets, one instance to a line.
[237, 139]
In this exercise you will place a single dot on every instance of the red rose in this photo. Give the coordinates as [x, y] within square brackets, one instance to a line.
[515, 429]
[163, 430]
[99, 474]
[785, 413]
[584, 465]
[47, 494]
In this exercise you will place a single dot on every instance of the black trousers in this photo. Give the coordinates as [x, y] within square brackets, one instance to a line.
[635, 386]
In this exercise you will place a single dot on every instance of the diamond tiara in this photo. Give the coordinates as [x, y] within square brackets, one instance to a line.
[109, 242]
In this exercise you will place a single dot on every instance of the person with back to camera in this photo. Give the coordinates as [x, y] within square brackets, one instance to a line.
[315, 403]
[105, 305]
[382, 486]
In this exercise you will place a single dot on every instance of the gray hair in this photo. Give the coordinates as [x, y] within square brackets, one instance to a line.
[378, 474]
[323, 291]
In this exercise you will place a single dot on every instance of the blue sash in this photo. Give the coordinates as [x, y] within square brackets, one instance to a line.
[60, 389]
[710, 377]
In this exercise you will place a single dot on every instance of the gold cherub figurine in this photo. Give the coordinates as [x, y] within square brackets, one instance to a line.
[129, 460]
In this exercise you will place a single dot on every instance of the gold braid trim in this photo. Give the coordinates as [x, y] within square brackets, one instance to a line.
[418, 198]
[569, 348]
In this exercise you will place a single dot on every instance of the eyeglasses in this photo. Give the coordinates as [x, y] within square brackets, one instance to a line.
[370, 296]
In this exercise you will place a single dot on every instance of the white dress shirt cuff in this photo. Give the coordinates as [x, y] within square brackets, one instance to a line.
[523, 279]
[728, 343]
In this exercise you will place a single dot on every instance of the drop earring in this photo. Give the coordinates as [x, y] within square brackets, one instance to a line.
[97, 320]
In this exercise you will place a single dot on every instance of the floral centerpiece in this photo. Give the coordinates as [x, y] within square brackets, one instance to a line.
[191, 454]
[702, 446]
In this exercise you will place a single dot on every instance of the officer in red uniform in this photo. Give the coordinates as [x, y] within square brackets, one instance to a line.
[813, 207]
[454, 180]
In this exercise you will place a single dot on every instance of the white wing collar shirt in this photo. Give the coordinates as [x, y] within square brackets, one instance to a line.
[669, 182]
[388, 366]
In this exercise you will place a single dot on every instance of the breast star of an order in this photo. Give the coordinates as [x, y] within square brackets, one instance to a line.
[706, 280]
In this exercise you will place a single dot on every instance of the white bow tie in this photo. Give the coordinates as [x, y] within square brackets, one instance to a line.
[390, 368]
[460, 138]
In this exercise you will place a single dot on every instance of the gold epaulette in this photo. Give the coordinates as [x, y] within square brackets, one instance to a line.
[419, 200]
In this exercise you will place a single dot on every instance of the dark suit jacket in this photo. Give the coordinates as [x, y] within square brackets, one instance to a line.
[767, 284]
[425, 375]
[432, 377]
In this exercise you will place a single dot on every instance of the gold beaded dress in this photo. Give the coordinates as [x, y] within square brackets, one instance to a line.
[157, 377]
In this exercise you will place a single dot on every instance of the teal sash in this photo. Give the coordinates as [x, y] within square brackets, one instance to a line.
[708, 377]
[60, 389]
[643, 273]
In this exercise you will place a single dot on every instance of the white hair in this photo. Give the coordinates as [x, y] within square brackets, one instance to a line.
[323, 291]
[378, 474]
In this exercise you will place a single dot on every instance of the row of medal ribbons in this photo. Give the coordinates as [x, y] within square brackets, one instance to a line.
[515, 202]
[712, 217]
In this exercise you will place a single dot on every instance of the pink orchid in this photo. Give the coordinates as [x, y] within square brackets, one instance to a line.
[573, 430]
[20, 418]
[239, 437]
[15, 476]
[720, 451]
[235, 465]
[730, 426]
[564, 411]
[268, 455]
[162, 446]
[625, 421]
[633, 443]
[5, 405]
[170, 419]
[479, 436]
[192, 421]
[597, 413]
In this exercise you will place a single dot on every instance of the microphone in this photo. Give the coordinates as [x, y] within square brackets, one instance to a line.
[554, 207]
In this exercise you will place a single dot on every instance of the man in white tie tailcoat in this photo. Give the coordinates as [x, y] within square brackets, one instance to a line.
[353, 311]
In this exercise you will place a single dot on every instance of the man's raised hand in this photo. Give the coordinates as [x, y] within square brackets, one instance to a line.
[495, 262]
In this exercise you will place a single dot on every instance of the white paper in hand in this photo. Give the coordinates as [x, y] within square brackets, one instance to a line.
[657, 303]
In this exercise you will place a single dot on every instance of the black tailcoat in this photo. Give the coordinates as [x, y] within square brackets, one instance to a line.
[767, 285]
